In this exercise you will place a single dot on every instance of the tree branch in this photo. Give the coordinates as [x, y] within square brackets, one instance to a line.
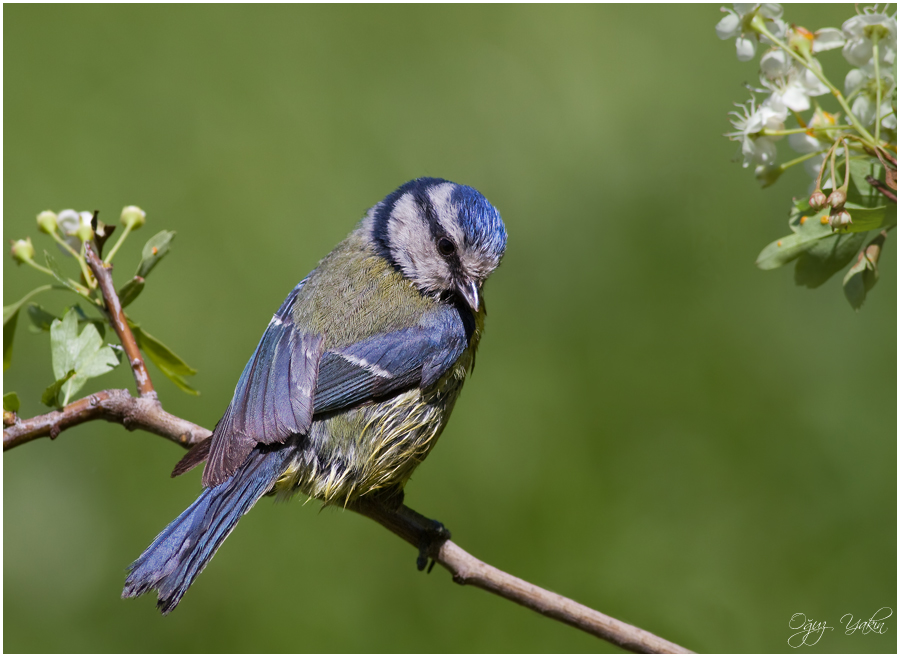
[419, 531]
[113, 406]
[119, 322]
[147, 414]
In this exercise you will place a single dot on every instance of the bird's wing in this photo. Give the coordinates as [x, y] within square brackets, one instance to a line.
[389, 362]
[273, 398]
[291, 377]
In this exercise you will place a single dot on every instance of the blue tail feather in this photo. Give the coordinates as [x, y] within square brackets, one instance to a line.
[183, 549]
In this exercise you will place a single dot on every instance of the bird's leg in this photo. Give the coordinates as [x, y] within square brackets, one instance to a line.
[387, 509]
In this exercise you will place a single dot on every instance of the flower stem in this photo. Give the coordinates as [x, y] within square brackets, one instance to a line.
[802, 158]
[32, 263]
[119, 242]
[759, 25]
[80, 258]
[795, 131]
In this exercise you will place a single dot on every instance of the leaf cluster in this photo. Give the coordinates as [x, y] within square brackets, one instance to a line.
[78, 348]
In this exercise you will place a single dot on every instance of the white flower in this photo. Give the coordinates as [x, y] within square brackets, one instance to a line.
[756, 148]
[69, 223]
[775, 63]
[806, 42]
[795, 89]
[862, 81]
[737, 23]
[828, 38]
[864, 110]
[860, 31]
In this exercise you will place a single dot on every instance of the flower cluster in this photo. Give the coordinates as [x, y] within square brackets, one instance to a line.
[793, 77]
[854, 140]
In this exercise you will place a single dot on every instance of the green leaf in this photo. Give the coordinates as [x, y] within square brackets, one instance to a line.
[51, 394]
[807, 229]
[165, 359]
[860, 278]
[41, 318]
[154, 250]
[85, 353]
[11, 318]
[869, 218]
[860, 192]
[826, 257]
[83, 319]
[11, 402]
[131, 290]
[9, 331]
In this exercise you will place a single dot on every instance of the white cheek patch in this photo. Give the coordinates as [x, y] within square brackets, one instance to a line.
[412, 248]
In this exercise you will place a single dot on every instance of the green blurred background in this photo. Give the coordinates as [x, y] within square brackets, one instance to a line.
[655, 428]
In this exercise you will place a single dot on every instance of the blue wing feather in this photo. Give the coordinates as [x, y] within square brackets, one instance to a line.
[273, 397]
[291, 377]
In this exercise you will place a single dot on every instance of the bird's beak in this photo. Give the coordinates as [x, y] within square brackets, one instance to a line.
[469, 292]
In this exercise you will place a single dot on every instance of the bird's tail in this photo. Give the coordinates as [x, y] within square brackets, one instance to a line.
[183, 549]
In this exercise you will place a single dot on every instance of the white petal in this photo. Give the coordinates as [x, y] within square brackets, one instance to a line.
[777, 107]
[827, 38]
[746, 48]
[852, 27]
[854, 78]
[771, 10]
[803, 143]
[858, 51]
[766, 152]
[890, 119]
[795, 98]
[864, 109]
[777, 27]
[811, 84]
[744, 8]
[775, 64]
[68, 221]
[729, 26]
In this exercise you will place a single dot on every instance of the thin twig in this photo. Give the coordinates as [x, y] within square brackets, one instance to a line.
[120, 323]
[147, 414]
[113, 406]
[418, 530]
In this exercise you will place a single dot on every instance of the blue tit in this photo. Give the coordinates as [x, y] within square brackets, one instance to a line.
[354, 378]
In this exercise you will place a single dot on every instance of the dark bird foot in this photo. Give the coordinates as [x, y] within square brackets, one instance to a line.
[432, 538]
[423, 533]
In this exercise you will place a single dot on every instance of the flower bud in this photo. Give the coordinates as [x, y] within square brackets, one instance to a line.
[801, 40]
[23, 250]
[839, 219]
[133, 217]
[818, 200]
[85, 233]
[68, 221]
[837, 198]
[46, 222]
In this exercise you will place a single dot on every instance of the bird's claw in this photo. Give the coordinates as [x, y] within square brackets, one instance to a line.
[432, 539]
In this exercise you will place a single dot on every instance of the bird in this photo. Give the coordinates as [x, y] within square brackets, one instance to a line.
[353, 380]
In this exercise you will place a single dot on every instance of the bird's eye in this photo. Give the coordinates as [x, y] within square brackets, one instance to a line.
[446, 247]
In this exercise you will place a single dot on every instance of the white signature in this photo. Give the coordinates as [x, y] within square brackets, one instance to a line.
[810, 631]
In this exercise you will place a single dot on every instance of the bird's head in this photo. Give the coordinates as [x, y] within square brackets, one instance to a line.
[445, 238]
